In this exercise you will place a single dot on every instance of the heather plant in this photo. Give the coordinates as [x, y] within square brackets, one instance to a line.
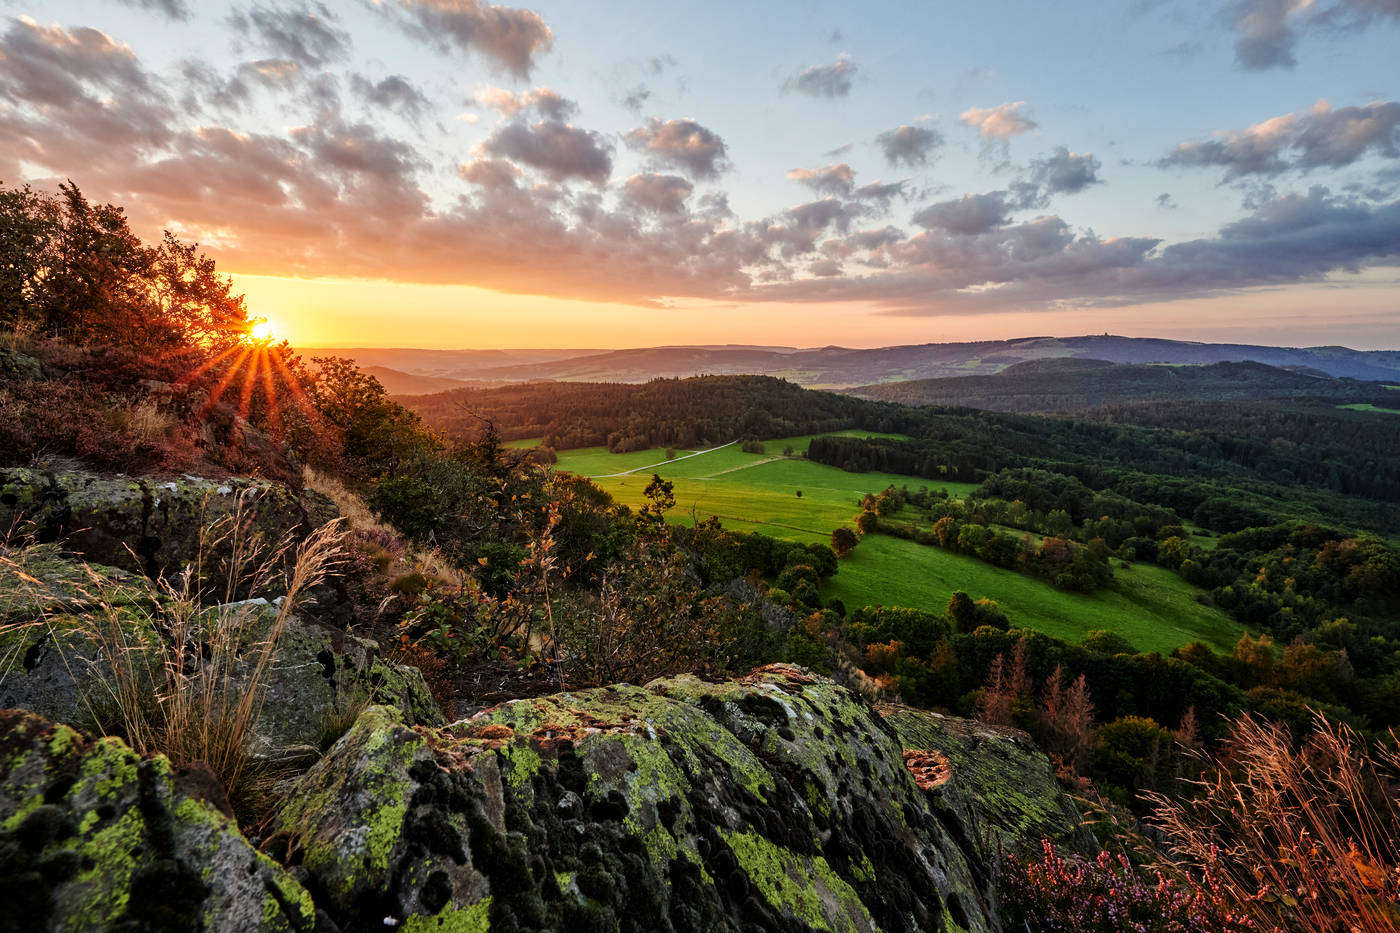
[1057, 893]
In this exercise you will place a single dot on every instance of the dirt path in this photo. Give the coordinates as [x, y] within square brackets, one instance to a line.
[662, 462]
[735, 469]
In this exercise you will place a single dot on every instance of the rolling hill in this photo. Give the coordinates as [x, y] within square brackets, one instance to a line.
[1071, 384]
[842, 367]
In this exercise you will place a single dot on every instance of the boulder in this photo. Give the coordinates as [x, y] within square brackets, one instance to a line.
[17, 365]
[93, 837]
[57, 618]
[151, 525]
[779, 801]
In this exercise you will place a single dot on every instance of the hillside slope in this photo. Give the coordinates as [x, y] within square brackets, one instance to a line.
[840, 367]
[1067, 384]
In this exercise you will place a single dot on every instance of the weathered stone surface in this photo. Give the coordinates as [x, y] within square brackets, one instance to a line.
[998, 782]
[779, 802]
[92, 837]
[17, 365]
[145, 524]
[56, 615]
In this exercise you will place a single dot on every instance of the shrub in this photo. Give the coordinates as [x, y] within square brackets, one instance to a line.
[1108, 894]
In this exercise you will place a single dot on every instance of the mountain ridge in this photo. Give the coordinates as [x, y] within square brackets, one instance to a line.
[845, 367]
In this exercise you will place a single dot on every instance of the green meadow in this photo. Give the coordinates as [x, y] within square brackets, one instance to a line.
[1151, 607]
[1366, 406]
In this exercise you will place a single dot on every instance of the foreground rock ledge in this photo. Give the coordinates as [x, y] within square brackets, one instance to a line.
[776, 802]
[92, 837]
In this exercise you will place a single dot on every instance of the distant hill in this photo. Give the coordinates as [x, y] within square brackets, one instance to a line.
[664, 412]
[1076, 385]
[842, 367]
[397, 382]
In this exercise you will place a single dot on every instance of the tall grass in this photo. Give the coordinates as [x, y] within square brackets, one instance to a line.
[177, 666]
[1305, 837]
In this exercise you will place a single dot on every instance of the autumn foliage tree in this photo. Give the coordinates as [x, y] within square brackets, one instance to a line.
[75, 270]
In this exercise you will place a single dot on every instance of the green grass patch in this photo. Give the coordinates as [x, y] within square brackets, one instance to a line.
[747, 491]
[1148, 605]
[524, 444]
[1152, 607]
[1367, 406]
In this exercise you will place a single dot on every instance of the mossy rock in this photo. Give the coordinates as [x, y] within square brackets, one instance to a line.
[146, 524]
[93, 837]
[17, 365]
[318, 679]
[998, 782]
[779, 801]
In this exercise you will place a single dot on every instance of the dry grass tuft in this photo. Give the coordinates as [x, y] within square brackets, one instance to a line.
[361, 520]
[179, 669]
[1302, 837]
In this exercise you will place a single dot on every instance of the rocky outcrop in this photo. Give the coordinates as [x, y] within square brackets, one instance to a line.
[92, 837]
[59, 621]
[149, 525]
[778, 802]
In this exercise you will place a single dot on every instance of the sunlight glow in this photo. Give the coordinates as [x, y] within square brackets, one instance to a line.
[262, 332]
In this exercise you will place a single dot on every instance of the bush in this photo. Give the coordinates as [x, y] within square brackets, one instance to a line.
[1108, 894]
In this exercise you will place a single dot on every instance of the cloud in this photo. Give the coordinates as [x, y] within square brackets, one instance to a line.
[1267, 31]
[909, 145]
[999, 123]
[1320, 137]
[306, 34]
[342, 195]
[836, 179]
[547, 102]
[492, 174]
[830, 81]
[662, 194]
[681, 144]
[508, 38]
[558, 149]
[394, 93]
[1061, 172]
[967, 215]
[174, 9]
[880, 192]
[79, 85]
[1044, 264]
[635, 99]
[1166, 202]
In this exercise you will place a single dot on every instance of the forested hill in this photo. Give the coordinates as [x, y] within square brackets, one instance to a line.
[663, 412]
[840, 367]
[1071, 385]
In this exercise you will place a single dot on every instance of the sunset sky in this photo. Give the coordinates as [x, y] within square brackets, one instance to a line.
[449, 173]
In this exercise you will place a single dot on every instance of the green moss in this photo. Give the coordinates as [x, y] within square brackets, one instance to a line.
[806, 889]
[475, 918]
[522, 763]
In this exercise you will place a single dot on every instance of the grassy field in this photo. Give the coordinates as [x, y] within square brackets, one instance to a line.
[1366, 406]
[1151, 607]
[747, 491]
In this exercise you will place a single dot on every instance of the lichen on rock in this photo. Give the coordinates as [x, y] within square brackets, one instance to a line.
[93, 837]
[59, 621]
[777, 801]
[152, 525]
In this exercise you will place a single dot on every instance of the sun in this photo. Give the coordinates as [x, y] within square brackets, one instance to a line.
[262, 332]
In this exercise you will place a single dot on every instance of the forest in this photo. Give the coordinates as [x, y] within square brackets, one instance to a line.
[661, 413]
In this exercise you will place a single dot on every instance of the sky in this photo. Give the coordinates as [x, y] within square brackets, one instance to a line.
[452, 173]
